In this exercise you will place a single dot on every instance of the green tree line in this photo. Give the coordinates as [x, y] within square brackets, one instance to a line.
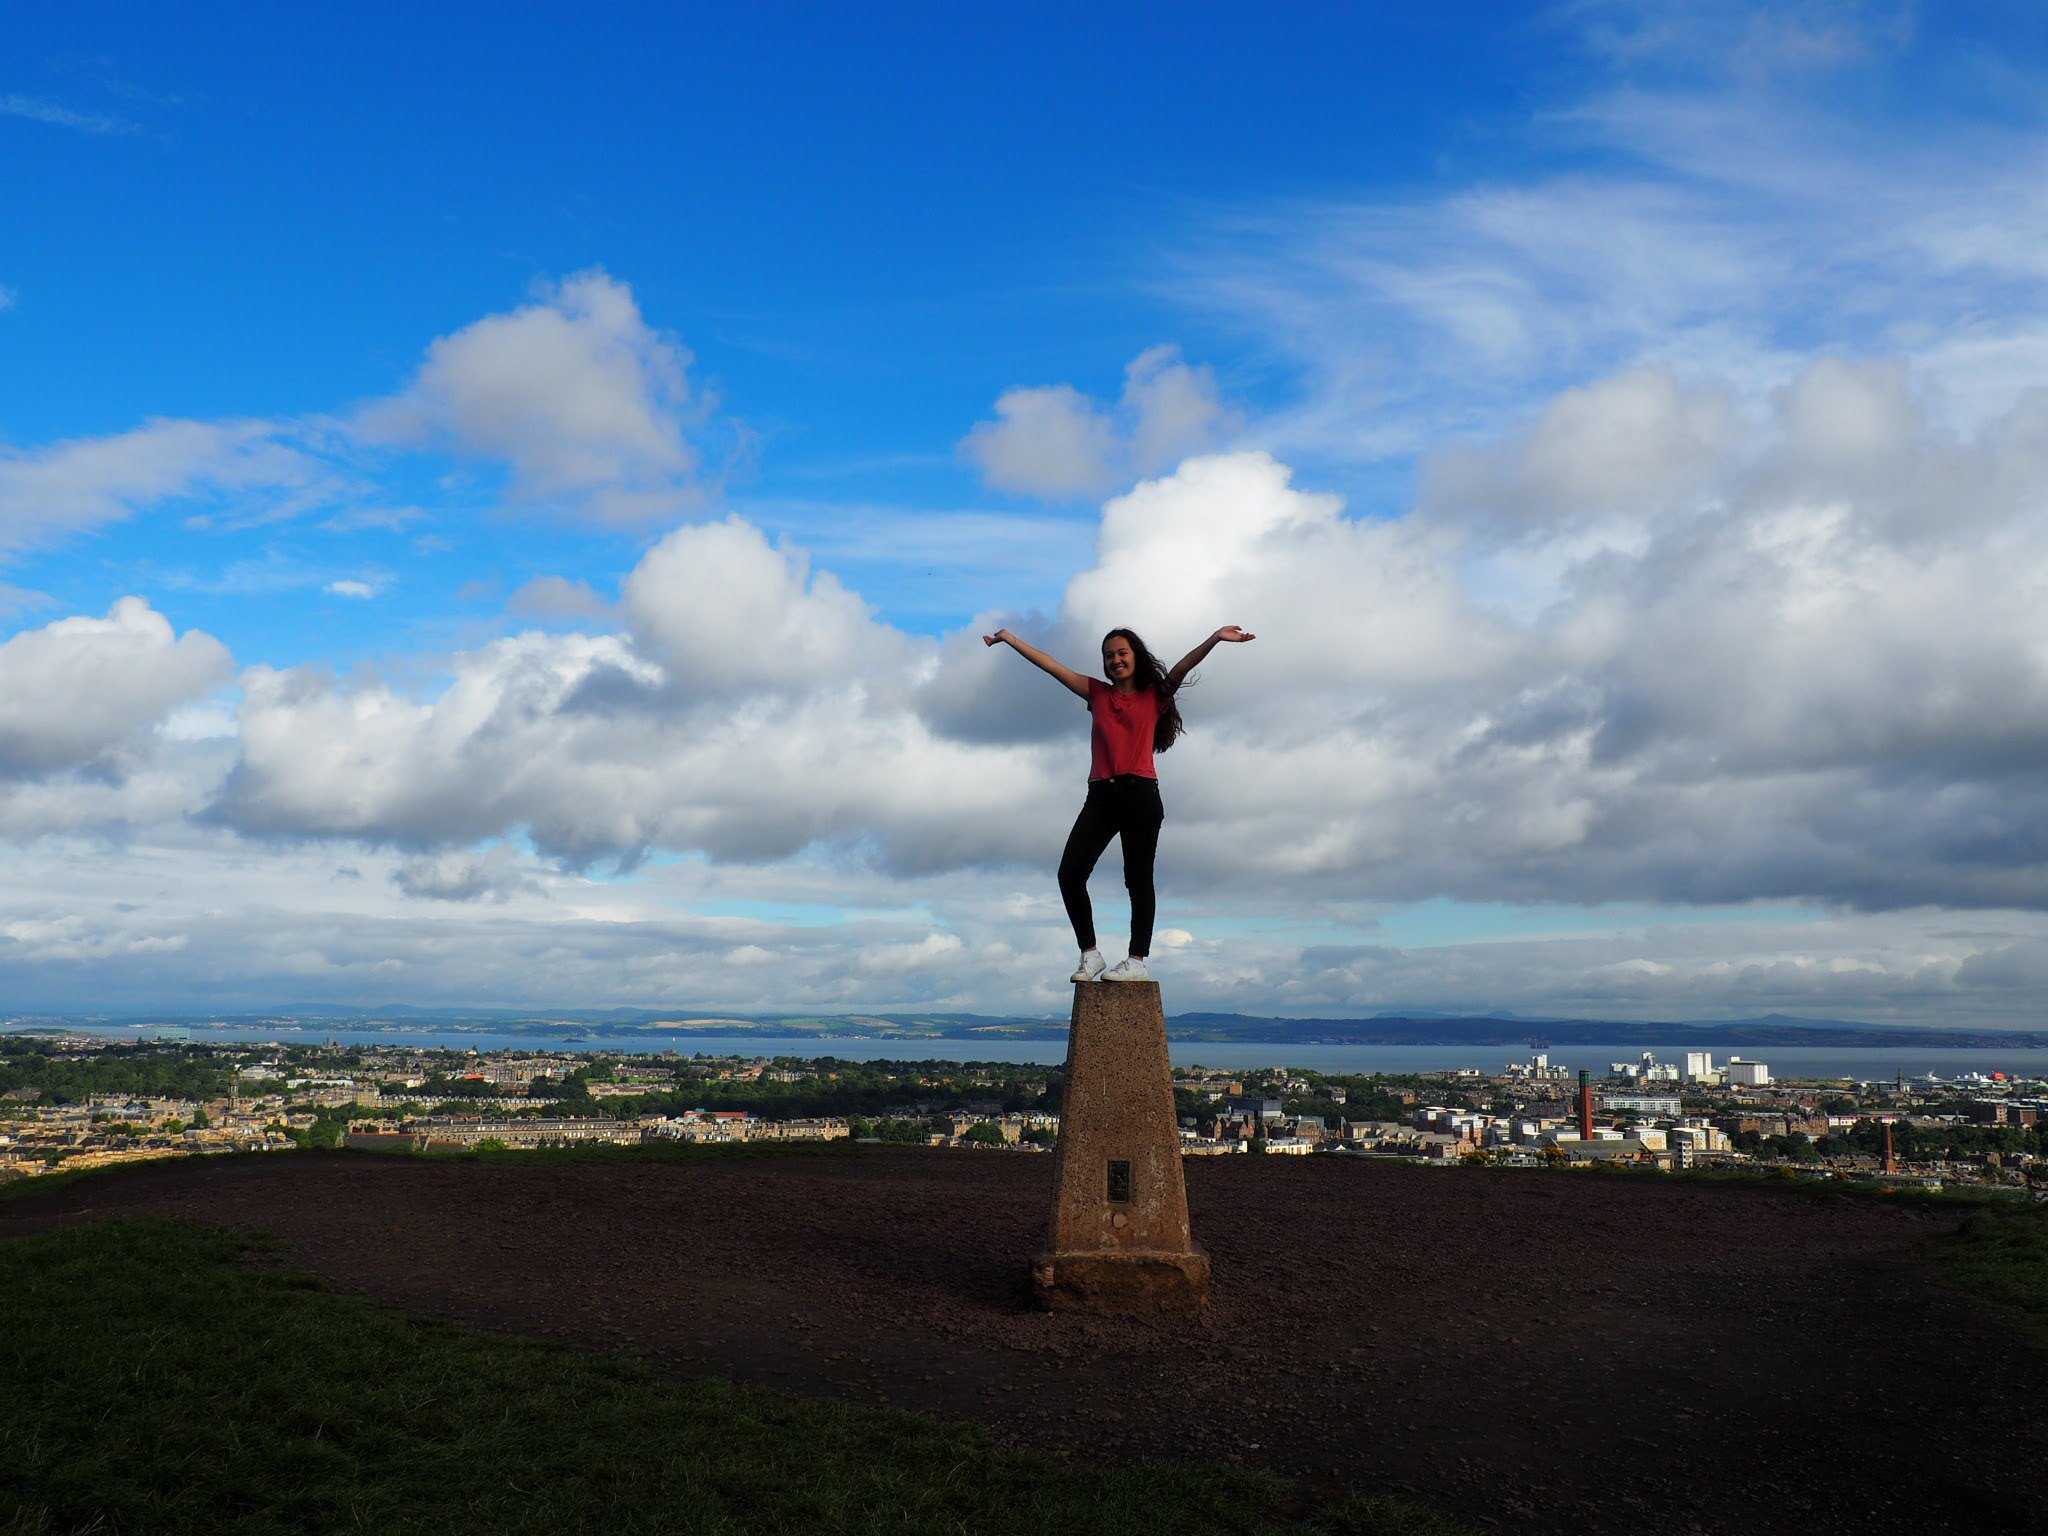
[1911, 1143]
[146, 1071]
[1930, 1143]
[862, 1089]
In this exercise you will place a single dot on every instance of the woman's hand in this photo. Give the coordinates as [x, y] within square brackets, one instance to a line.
[1071, 680]
[1235, 633]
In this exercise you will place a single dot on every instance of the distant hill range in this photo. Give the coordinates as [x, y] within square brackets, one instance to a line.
[1515, 1032]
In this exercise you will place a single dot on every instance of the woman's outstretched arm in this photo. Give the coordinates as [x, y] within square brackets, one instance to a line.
[1038, 658]
[1229, 632]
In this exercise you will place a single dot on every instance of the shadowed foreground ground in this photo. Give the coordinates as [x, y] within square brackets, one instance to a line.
[1545, 1351]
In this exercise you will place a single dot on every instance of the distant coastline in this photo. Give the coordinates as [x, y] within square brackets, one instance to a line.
[591, 1028]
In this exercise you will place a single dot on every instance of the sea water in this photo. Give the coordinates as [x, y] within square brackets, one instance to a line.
[1858, 1063]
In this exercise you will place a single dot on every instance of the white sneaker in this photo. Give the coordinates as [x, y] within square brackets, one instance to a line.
[1131, 968]
[1091, 966]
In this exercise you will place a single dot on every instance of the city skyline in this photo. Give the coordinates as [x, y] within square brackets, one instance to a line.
[507, 516]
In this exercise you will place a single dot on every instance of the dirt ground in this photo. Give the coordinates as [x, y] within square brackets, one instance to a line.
[1533, 1351]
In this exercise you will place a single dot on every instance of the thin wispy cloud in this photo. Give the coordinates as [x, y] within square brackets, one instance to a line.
[1744, 41]
[38, 109]
[1729, 237]
[74, 487]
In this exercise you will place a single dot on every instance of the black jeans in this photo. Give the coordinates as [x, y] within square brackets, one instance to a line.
[1126, 806]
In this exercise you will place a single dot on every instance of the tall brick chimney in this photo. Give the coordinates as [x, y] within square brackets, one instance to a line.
[1891, 1164]
[1585, 1105]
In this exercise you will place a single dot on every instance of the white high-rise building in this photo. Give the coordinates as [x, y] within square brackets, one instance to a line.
[1699, 1066]
[1745, 1074]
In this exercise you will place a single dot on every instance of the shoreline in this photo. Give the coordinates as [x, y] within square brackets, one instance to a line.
[1818, 1062]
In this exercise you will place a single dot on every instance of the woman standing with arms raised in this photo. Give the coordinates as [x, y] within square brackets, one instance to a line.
[1133, 716]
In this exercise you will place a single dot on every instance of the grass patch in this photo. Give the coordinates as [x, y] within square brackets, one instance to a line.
[2001, 1255]
[164, 1377]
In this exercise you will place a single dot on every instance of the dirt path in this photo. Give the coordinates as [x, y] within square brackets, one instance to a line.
[1546, 1352]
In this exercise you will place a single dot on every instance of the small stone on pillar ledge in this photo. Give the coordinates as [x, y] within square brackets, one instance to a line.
[1119, 1240]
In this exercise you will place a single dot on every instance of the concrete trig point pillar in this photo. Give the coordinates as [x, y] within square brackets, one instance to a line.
[1119, 1240]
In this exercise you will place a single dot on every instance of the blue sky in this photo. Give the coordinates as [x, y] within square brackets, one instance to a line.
[864, 225]
[1514, 361]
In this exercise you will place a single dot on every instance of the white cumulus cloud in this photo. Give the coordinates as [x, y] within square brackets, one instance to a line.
[454, 875]
[1767, 673]
[1053, 441]
[576, 392]
[600, 752]
[558, 597]
[724, 610]
[79, 687]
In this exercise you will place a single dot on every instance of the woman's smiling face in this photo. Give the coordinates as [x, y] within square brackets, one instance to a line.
[1119, 665]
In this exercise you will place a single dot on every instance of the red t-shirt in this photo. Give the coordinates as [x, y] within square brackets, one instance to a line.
[1120, 739]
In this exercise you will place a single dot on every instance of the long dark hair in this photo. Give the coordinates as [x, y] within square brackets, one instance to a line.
[1149, 673]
